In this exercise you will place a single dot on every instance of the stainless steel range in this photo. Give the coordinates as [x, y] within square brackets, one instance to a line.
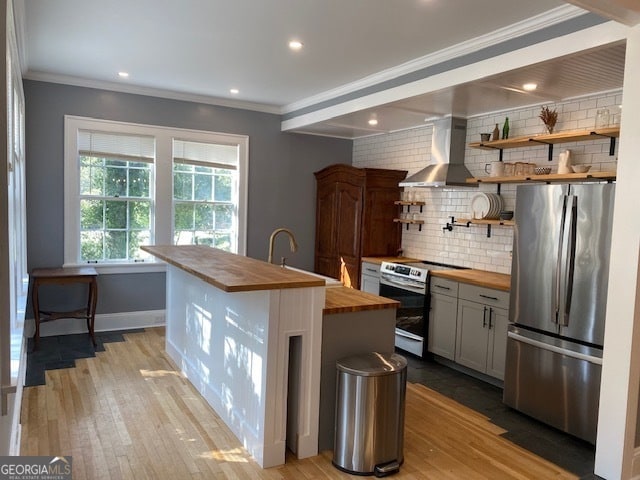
[407, 283]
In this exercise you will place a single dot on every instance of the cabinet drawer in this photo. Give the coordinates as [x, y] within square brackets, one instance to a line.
[488, 296]
[443, 286]
[372, 269]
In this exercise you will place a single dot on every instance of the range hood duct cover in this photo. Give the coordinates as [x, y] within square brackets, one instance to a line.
[448, 143]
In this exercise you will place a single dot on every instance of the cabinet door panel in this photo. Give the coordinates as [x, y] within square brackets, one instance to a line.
[329, 266]
[442, 326]
[498, 342]
[473, 335]
[383, 235]
[349, 215]
[370, 284]
[325, 220]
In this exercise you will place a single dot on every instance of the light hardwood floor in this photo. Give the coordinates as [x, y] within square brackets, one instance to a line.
[128, 413]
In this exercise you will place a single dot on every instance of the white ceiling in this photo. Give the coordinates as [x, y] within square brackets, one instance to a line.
[199, 49]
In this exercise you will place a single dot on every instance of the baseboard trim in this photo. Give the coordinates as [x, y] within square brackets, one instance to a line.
[105, 322]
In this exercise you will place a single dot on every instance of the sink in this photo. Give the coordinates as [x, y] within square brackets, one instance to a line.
[330, 282]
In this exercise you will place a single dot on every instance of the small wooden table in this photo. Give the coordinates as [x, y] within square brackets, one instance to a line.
[65, 276]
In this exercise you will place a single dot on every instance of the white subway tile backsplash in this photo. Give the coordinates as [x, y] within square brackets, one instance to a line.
[410, 150]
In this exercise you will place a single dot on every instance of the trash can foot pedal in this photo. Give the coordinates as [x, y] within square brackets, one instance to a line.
[385, 469]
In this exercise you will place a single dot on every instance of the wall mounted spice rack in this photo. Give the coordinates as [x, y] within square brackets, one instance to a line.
[467, 222]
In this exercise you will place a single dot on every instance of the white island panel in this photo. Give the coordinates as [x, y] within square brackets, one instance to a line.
[234, 348]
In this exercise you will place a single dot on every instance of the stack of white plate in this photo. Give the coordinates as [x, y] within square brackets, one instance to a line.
[486, 206]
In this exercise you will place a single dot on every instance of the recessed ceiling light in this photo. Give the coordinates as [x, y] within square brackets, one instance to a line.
[123, 74]
[295, 45]
[234, 91]
[530, 87]
[373, 122]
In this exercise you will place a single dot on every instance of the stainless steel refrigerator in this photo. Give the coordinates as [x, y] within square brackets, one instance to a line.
[559, 278]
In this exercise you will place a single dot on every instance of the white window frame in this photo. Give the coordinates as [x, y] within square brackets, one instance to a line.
[162, 188]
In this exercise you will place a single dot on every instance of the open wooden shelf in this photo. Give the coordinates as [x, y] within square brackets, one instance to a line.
[551, 138]
[405, 202]
[408, 222]
[483, 221]
[467, 222]
[550, 178]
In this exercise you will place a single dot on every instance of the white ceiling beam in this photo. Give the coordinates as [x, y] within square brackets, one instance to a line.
[623, 11]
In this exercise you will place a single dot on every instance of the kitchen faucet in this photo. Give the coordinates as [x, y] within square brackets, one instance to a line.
[292, 241]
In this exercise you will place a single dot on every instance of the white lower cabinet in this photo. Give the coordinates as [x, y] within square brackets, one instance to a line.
[468, 324]
[481, 341]
[497, 352]
[370, 278]
[443, 317]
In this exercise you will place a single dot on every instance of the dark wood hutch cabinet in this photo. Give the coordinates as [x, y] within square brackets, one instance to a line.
[354, 219]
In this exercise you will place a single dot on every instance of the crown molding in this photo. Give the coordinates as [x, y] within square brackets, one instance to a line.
[150, 92]
[538, 22]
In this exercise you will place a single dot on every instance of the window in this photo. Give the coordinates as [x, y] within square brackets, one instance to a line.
[204, 188]
[116, 172]
[128, 185]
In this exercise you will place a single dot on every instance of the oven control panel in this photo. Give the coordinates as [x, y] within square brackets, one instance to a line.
[406, 271]
[417, 276]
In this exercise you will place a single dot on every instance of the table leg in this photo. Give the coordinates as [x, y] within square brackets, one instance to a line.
[36, 312]
[91, 309]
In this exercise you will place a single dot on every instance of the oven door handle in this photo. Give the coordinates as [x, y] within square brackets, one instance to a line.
[392, 281]
[409, 335]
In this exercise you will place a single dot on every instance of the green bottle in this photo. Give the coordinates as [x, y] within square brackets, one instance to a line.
[505, 129]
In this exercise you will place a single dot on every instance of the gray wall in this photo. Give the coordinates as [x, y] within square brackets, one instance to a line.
[281, 181]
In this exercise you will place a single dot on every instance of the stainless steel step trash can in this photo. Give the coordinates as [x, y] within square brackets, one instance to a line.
[370, 399]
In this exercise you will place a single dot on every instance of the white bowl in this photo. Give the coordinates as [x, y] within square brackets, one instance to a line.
[580, 168]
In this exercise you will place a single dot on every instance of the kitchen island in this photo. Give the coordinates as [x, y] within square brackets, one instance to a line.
[249, 337]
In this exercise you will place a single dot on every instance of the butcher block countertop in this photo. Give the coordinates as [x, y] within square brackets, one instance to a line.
[482, 278]
[344, 300]
[379, 260]
[230, 272]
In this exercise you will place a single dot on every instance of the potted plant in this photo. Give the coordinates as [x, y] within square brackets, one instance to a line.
[549, 117]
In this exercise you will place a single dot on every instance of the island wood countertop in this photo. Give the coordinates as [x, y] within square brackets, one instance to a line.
[482, 278]
[379, 260]
[230, 272]
[344, 300]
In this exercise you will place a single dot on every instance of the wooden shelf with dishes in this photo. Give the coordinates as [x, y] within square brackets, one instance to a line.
[467, 222]
[486, 221]
[551, 139]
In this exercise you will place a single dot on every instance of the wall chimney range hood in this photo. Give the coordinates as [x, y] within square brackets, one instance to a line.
[447, 157]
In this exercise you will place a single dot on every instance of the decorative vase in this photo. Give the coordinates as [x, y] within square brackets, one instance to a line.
[548, 129]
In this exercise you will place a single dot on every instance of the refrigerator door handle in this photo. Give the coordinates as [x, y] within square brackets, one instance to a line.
[570, 255]
[552, 348]
[557, 278]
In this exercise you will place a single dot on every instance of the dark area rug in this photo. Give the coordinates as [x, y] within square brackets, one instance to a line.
[62, 351]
